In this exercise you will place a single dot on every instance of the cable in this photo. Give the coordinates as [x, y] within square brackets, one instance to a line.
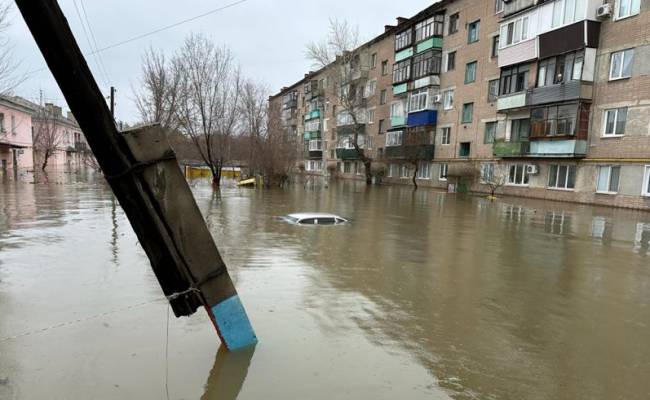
[83, 26]
[150, 33]
[92, 35]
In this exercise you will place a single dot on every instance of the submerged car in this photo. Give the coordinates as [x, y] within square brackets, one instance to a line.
[315, 219]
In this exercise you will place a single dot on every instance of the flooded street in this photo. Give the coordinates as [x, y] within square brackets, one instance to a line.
[425, 295]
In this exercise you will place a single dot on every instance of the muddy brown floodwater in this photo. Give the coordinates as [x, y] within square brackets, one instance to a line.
[424, 295]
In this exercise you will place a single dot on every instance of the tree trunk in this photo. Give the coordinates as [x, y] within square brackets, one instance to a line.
[46, 157]
[367, 164]
[415, 174]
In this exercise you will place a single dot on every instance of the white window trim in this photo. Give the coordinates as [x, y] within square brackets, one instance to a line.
[645, 187]
[440, 178]
[611, 64]
[604, 133]
[392, 134]
[524, 166]
[442, 129]
[618, 8]
[563, 189]
[444, 96]
[428, 177]
[609, 179]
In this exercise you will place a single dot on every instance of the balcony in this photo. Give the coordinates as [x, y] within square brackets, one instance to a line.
[349, 130]
[313, 135]
[404, 54]
[514, 6]
[422, 118]
[569, 38]
[518, 53]
[504, 149]
[572, 90]
[572, 148]
[513, 101]
[432, 43]
[398, 121]
[347, 154]
[401, 88]
[290, 104]
[421, 152]
[312, 115]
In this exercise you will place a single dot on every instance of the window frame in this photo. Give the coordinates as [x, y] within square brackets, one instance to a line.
[443, 172]
[448, 94]
[645, 187]
[631, 12]
[474, 27]
[404, 39]
[399, 76]
[427, 167]
[567, 174]
[490, 137]
[525, 177]
[471, 66]
[469, 106]
[616, 121]
[454, 20]
[427, 63]
[492, 94]
[623, 53]
[394, 138]
[445, 136]
[609, 179]
[422, 97]
[450, 65]
[432, 26]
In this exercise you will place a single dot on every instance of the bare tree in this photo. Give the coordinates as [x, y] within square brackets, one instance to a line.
[494, 176]
[47, 137]
[8, 64]
[254, 114]
[208, 105]
[280, 152]
[346, 69]
[157, 100]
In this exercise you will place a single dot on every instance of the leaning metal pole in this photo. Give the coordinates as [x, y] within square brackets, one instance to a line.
[143, 173]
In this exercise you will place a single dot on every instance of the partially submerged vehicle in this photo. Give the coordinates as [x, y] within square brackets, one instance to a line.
[315, 219]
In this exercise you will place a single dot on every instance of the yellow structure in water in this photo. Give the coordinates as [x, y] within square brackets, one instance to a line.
[204, 172]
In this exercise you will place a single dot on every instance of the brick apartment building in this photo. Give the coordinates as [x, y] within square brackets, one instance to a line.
[548, 97]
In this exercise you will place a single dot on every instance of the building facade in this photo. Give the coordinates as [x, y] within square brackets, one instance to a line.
[539, 98]
[16, 146]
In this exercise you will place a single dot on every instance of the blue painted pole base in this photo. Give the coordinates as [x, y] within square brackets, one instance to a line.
[233, 325]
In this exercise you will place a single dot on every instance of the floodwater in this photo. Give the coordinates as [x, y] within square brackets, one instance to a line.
[425, 295]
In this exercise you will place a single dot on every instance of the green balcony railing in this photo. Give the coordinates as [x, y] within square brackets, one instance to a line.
[421, 152]
[398, 121]
[347, 154]
[312, 115]
[501, 148]
[314, 135]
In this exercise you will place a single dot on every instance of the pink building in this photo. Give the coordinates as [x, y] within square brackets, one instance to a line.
[16, 145]
[70, 147]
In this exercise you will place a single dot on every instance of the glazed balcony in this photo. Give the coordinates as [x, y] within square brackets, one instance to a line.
[313, 135]
[572, 148]
[514, 6]
[347, 154]
[312, 115]
[518, 53]
[422, 118]
[572, 90]
[513, 101]
[349, 130]
[502, 148]
[422, 152]
[398, 121]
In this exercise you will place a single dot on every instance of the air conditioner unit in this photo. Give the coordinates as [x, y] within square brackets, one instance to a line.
[532, 169]
[437, 98]
[604, 11]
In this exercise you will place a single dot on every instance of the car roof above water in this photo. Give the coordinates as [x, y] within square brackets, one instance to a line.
[300, 216]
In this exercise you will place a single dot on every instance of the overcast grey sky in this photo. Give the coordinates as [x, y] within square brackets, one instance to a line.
[266, 36]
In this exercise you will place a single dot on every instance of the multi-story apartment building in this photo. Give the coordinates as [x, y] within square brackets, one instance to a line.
[16, 146]
[548, 98]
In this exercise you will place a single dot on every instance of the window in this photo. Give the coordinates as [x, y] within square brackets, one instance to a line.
[426, 64]
[405, 171]
[402, 71]
[371, 116]
[431, 27]
[560, 69]
[562, 176]
[442, 174]
[370, 88]
[13, 124]
[445, 136]
[403, 40]
[495, 46]
[620, 66]
[470, 72]
[518, 175]
[397, 109]
[394, 138]
[646, 181]
[487, 172]
[344, 118]
[358, 168]
[465, 149]
[2, 123]
[451, 61]
[514, 31]
[424, 170]
[347, 167]
[554, 120]
[393, 170]
[473, 32]
[382, 97]
[468, 113]
[382, 126]
[448, 99]
[615, 120]
[384, 68]
[519, 130]
[627, 8]
[314, 166]
[453, 23]
[498, 6]
[608, 179]
[514, 79]
[490, 132]
[419, 100]
[373, 61]
[493, 90]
